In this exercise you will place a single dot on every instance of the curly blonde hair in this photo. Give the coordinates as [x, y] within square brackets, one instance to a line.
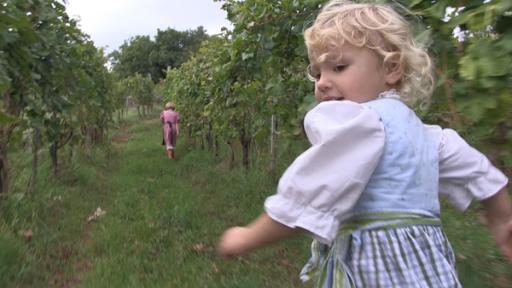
[377, 27]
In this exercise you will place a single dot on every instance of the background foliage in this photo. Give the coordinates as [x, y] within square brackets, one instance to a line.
[234, 84]
[53, 82]
[169, 49]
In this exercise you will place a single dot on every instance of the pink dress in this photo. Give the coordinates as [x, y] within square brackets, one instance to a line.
[169, 119]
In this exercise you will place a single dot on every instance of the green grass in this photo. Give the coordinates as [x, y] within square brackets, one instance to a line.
[479, 262]
[163, 219]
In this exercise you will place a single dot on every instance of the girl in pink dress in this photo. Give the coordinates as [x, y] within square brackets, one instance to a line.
[171, 128]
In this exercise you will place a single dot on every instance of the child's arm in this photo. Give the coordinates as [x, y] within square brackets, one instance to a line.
[264, 230]
[499, 218]
[322, 184]
[466, 174]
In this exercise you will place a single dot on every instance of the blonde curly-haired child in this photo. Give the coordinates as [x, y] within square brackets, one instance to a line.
[368, 188]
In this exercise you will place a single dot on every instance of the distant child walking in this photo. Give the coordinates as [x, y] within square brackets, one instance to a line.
[368, 188]
[171, 128]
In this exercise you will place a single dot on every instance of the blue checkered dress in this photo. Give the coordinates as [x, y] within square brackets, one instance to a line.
[409, 251]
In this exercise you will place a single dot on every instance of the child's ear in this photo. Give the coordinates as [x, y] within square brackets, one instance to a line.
[394, 70]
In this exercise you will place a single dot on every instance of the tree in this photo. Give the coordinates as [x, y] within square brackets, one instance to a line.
[141, 89]
[169, 50]
[173, 48]
[53, 81]
[134, 56]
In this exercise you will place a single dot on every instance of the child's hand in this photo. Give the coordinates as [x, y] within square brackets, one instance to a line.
[234, 242]
[237, 241]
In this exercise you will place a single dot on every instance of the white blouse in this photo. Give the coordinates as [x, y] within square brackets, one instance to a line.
[349, 138]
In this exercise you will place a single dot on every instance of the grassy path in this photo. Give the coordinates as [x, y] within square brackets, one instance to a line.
[163, 219]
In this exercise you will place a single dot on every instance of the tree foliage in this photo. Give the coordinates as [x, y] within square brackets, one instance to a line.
[53, 81]
[140, 88]
[233, 85]
[147, 57]
[133, 57]
[236, 83]
[475, 82]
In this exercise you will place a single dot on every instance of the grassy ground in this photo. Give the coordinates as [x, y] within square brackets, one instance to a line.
[162, 221]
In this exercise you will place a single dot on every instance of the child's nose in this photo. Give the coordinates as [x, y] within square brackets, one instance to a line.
[323, 83]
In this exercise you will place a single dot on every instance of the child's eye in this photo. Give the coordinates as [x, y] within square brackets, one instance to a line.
[339, 68]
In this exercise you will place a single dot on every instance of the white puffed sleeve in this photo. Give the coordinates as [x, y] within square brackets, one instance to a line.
[464, 172]
[324, 183]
